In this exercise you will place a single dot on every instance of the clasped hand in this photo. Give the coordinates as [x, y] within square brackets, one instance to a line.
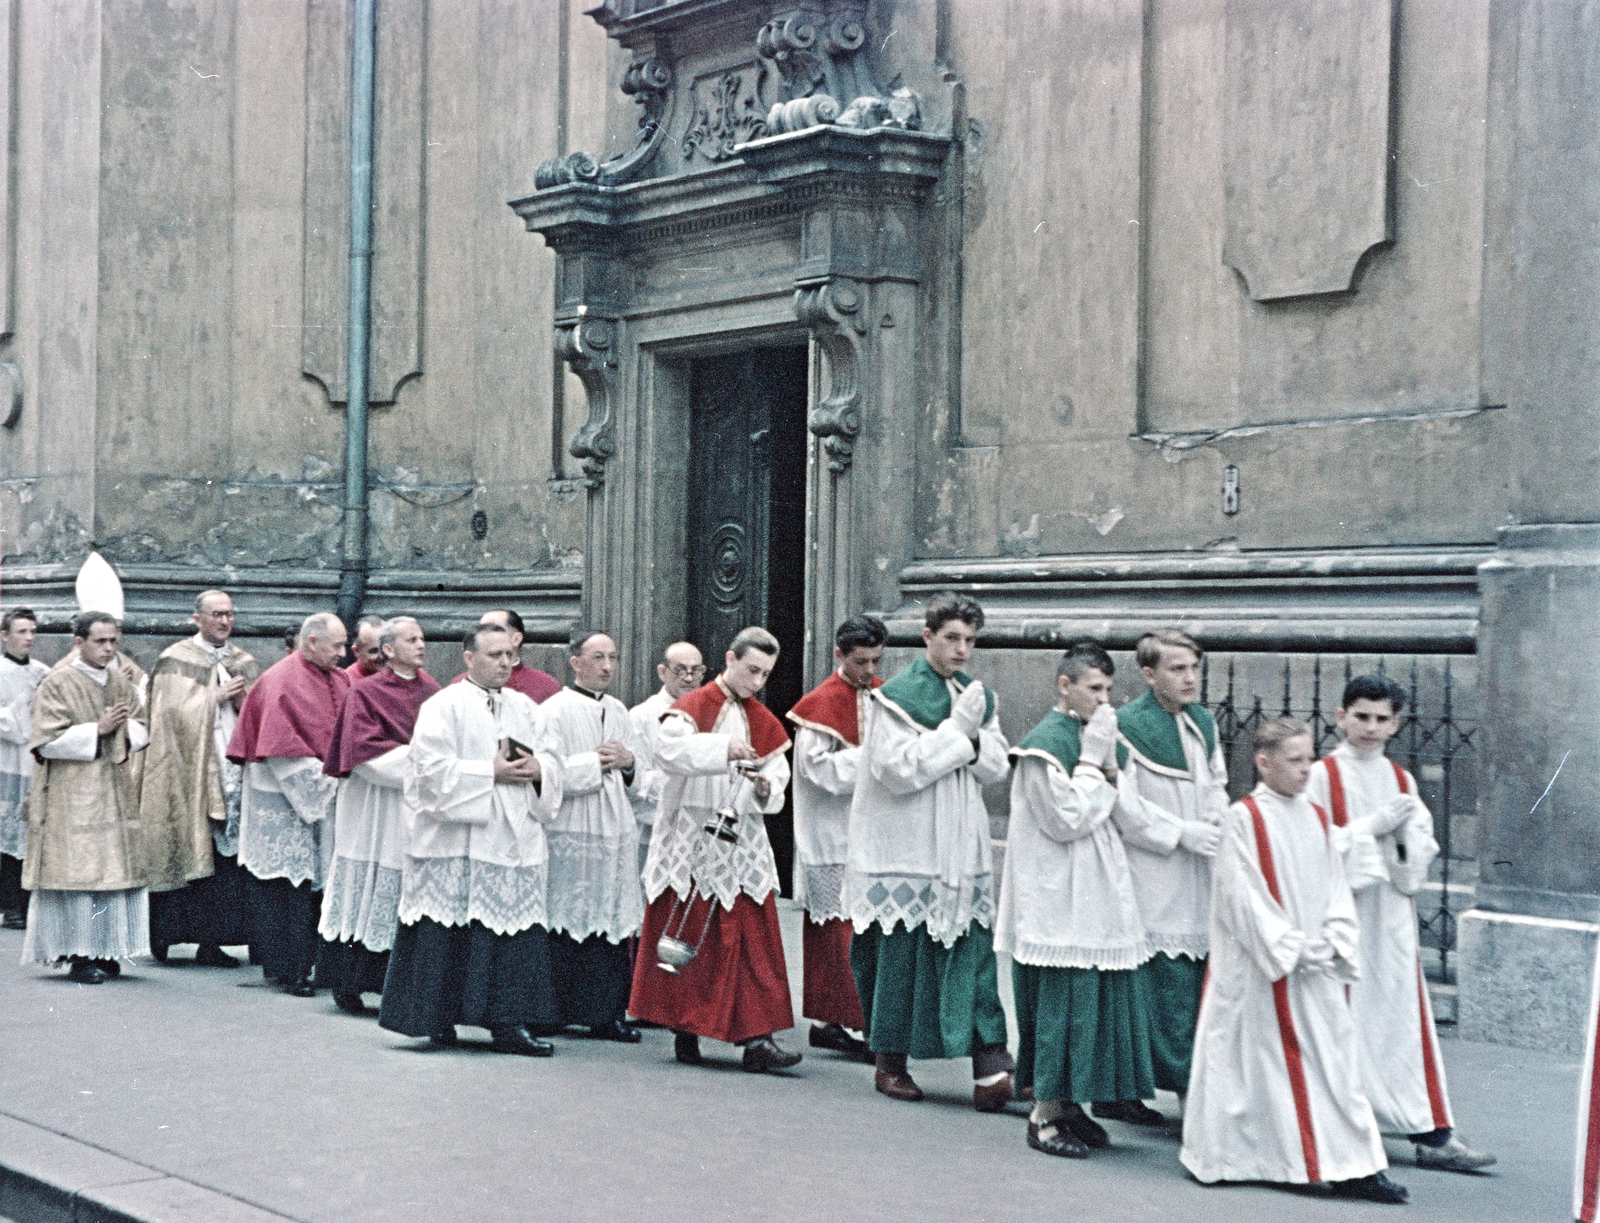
[113, 717]
[614, 755]
[514, 772]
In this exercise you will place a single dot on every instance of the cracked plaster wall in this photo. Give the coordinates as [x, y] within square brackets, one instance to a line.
[167, 417]
[1097, 305]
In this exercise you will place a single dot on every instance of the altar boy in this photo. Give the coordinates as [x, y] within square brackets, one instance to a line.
[1275, 1094]
[1389, 849]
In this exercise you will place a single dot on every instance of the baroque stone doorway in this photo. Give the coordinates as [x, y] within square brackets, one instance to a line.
[747, 519]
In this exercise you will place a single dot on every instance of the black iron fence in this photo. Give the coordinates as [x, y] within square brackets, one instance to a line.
[1434, 742]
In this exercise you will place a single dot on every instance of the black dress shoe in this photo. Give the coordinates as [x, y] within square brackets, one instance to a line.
[86, 972]
[14, 919]
[300, 989]
[833, 1036]
[1374, 1188]
[686, 1048]
[519, 1040]
[350, 1004]
[211, 956]
[1085, 1128]
[158, 952]
[444, 1038]
[763, 1054]
[618, 1031]
[112, 968]
[1129, 1112]
[1054, 1138]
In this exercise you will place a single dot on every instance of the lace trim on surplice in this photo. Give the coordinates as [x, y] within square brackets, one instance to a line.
[456, 891]
[819, 890]
[361, 904]
[594, 885]
[278, 844]
[690, 857]
[917, 900]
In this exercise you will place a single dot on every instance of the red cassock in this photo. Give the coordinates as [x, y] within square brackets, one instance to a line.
[737, 985]
[831, 709]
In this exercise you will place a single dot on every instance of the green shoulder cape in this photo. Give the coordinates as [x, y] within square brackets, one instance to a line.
[920, 695]
[1152, 733]
[1059, 735]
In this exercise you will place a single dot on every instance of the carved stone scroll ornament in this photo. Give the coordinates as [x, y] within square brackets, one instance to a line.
[649, 83]
[834, 312]
[819, 48]
[586, 345]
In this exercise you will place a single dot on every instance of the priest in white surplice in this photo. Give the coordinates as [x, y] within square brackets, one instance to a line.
[371, 754]
[681, 670]
[1389, 848]
[1275, 1093]
[20, 674]
[287, 808]
[472, 948]
[596, 899]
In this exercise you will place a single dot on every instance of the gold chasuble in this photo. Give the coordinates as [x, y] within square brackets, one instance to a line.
[83, 816]
[181, 793]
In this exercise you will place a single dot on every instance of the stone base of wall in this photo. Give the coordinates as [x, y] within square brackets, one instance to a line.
[1524, 981]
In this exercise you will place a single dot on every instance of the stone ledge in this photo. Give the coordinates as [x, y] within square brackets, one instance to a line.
[1524, 981]
[46, 1177]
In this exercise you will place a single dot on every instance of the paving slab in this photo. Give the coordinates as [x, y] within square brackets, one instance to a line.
[195, 1081]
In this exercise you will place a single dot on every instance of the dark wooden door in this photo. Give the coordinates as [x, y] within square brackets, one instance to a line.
[747, 504]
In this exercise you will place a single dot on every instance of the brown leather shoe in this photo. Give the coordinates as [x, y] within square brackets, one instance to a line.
[896, 1086]
[993, 1098]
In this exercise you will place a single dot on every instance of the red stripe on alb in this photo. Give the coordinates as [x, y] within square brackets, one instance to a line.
[1280, 1002]
[1336, 791]
[1591, 1146]
[1430, 1054]
[1400, 778]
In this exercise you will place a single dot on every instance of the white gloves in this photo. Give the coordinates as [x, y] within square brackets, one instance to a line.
[1199, 837]
[1391, 815]
[1097, 743]
[967, 710]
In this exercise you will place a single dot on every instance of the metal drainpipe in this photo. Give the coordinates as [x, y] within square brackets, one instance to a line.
[353, 554]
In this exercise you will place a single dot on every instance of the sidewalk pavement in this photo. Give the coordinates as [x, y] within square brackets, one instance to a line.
[194, 1095]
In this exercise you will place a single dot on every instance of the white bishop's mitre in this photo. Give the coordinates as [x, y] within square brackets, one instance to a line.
[98, 588]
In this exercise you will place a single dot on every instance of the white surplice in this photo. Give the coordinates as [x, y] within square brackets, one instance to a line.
[825, 772]
[1066, 896]
[1275, 1094]
[649, 780]
[1402, 1070]
[919, 851]
[700, 783]
[18, 682]
[285, 820]
[475, 849]
[360, 901]
[594, 840]
[1173, 886]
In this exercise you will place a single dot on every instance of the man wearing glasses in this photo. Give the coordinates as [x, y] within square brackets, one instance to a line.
[680, 671]
[189, 804]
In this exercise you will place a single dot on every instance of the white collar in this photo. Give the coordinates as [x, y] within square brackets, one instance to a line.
[99, 675]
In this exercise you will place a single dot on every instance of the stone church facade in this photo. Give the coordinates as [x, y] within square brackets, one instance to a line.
[1270, 321]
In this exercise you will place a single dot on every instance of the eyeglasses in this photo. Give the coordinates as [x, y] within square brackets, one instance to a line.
[218, 615]
[686, 672]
